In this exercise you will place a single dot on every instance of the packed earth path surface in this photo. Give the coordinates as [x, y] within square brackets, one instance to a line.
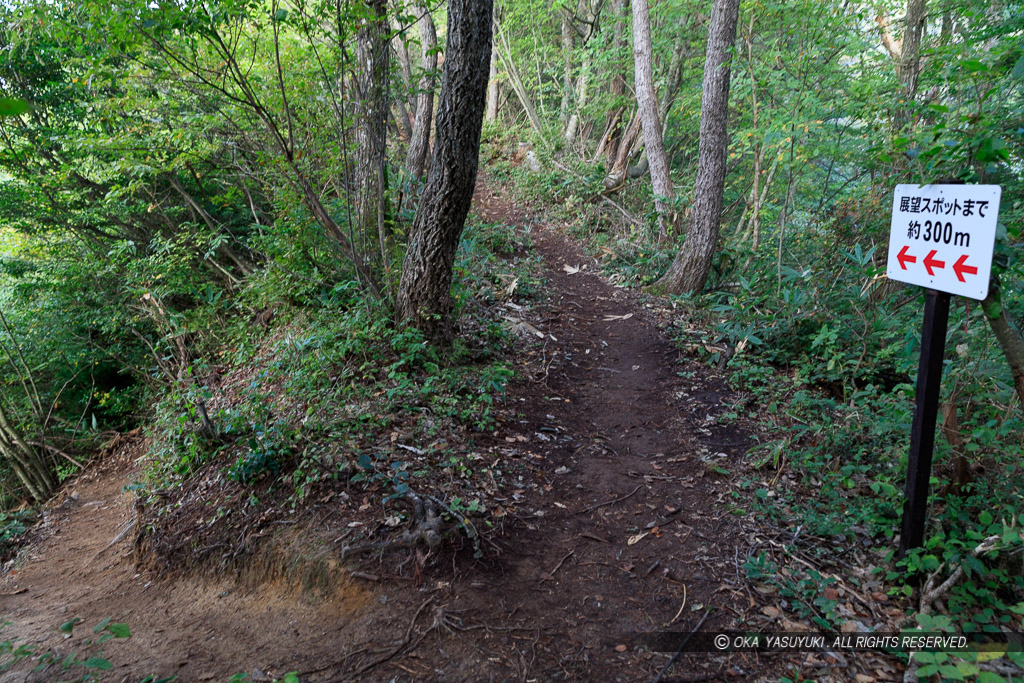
[620, 530]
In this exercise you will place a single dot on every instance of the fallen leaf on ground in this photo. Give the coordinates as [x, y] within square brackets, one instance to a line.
[795, 626]
[620, 648]
[633, 540]
[523, 327]
[571, 270]
[610, 318]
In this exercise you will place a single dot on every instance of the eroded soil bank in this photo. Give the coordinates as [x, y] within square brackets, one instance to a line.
[617, 526]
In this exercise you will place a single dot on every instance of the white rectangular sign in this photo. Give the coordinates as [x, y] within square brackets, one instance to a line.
[942, 237]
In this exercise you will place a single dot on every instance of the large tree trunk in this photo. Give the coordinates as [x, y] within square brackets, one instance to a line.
[424, 295]
[374, 67]
[419, 145]
[689, 271]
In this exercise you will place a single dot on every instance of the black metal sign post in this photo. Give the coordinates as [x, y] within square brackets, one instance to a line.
[926, 410]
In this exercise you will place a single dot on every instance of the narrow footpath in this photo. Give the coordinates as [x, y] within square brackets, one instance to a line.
[620, 528]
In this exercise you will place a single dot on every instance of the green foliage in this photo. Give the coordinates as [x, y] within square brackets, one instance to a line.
[830, 356]
[13, 525]
[290, 677]
[84, 665]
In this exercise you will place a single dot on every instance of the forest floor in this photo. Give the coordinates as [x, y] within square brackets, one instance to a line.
[622, 528]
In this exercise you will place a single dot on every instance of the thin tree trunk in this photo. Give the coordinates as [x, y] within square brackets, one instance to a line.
[419, 145]
[493, 88]
[907, 53]
[1008, 336]
[402, 53]
[505, 54]
[755, 222]
[647, 104]
[568, 45]
[689, 271]
[38, 477]
[627, 148]
[910, 55]
[424, 295]
[674, 80]
[783, 217]
[759, 148]
[572, 128]
[617, 88]
[403, 118]
[374, 57]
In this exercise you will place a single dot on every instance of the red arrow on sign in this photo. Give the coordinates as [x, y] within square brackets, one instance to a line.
[904, 258]
[961, 267]
[930, 262]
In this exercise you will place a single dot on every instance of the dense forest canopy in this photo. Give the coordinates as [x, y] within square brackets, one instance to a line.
[178, 178]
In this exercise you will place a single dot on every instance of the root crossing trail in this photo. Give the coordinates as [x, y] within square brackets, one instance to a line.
[618, 529]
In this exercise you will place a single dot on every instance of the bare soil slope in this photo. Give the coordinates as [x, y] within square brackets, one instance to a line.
[618, 528]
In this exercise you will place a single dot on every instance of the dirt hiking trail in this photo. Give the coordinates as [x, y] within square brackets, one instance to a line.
[619, 529]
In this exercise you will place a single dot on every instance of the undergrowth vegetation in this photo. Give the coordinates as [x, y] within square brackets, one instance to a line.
[826, 349]
[332, 396]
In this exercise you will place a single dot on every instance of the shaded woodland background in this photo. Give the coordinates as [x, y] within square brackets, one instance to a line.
[197, 191]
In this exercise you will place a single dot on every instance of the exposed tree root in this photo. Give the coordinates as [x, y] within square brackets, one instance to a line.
[425, 526]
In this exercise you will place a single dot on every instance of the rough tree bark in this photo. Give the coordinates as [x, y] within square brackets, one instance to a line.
[628, 144]
[689, 270]
[374, 58]
[419, 144]
[910, 54]
[424, 295]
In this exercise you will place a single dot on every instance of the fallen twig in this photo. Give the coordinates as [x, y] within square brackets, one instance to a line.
[689, 635]
[551, 574]
[401, 645]
[610, 502]
[931, 593]
[680, 612]
[124, 532]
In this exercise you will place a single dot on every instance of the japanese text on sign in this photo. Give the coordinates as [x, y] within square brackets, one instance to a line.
[942, 237]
